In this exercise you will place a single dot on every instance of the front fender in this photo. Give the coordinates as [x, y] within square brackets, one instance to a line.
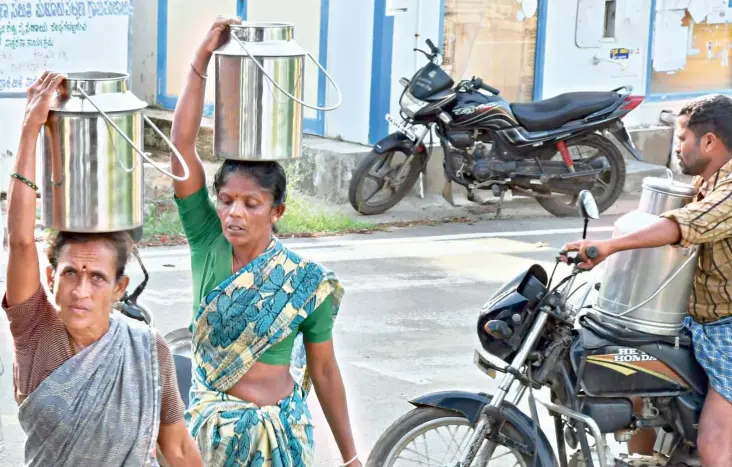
[470, 404]
[396, 141]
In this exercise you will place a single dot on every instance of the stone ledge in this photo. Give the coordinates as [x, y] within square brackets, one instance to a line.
[325, 167]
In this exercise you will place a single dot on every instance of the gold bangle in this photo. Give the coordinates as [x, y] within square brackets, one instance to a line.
[198, 72]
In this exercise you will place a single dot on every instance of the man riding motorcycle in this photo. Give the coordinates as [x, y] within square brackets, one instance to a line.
[704, 150]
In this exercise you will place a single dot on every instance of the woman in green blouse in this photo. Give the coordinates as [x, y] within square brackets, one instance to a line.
[253, 299]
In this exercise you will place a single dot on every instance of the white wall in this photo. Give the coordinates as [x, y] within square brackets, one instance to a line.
[350, 37]
[412, 28]
[569, 68]
[11, 119]
[144, 50]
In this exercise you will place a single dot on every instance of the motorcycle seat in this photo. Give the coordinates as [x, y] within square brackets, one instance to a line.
[625, 336]
[183, 375]
[552, 113]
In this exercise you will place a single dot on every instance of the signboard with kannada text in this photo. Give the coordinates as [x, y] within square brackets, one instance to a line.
[64, 36]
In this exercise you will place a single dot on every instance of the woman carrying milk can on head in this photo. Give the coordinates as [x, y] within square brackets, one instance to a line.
[253, 297]
[93, 387]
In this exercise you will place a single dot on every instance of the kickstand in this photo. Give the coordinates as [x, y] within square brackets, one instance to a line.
[501, 195]
[500, 204]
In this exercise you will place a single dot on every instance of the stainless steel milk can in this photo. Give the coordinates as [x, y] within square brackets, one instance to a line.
[633, 277]
[92, 178]
[258, 113]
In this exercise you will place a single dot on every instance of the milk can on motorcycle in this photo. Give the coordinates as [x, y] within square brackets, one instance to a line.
[627, 289]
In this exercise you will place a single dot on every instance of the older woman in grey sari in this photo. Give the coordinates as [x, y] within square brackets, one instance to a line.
[94, 388]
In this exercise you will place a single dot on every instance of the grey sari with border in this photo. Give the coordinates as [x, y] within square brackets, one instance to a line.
[101, 407]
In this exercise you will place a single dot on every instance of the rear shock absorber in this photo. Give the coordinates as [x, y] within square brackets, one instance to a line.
[562, 146]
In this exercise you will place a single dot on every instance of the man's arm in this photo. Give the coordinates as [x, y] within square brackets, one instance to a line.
[178, 446]
[660, 233]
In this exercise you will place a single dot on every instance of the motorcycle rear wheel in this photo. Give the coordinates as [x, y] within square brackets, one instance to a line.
[396, 438]
[399, 188]
[609, 194]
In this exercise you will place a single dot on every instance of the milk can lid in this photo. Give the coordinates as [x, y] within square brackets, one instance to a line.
[669, 187]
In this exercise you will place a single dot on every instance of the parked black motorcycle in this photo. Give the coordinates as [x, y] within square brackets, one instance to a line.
[535, 149]
[535, 336]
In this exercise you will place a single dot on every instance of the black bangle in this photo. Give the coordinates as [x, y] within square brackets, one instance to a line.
[24, 180]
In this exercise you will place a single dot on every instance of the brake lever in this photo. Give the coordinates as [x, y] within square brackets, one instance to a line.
[425, 53]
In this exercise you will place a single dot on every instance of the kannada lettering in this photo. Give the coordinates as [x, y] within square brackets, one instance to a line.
[76, 9]
[16, 82]
[18, 43]
[27, 28]
[34, 35]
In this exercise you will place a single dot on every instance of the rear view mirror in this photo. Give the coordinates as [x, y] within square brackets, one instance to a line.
[587, 206]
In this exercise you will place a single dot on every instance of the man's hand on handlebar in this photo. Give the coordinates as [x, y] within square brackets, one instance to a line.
[589, 253]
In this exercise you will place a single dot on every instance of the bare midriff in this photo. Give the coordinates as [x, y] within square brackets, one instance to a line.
[264, 384]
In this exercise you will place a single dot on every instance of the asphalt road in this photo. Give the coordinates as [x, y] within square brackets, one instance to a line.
[407, 323]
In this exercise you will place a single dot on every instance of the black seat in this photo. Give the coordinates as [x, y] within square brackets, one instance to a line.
[625, 336]
[550, 114]
[183, 374]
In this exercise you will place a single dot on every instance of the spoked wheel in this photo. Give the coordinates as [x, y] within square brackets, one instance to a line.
[376, 186]
[434, 437]
[599, 153]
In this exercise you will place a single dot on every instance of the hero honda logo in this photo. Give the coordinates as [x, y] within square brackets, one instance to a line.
[475, 108]
[632, 355]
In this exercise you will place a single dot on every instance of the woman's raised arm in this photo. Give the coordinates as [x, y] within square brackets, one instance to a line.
[23, 267]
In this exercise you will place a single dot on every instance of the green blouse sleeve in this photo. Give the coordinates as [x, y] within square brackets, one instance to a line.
[199, 219]
[318, 327]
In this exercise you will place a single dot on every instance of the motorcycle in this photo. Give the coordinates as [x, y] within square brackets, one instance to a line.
[533, 149]
[534, 335]
[178, 340]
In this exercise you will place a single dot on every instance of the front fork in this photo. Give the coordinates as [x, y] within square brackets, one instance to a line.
[482, 429]
[408, 162]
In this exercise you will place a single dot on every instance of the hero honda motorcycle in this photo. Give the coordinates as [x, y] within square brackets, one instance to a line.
[491, 144]
[531, 334]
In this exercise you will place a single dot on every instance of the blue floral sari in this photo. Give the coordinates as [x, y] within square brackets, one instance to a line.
[237, 322]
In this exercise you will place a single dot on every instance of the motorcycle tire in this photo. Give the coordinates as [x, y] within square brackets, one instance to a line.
[394, 434]
[359, 175]
[618, 174]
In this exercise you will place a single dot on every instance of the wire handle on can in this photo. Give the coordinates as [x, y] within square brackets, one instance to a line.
[144, 155]
[271, 80]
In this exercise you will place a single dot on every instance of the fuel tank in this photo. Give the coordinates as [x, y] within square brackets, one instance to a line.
[477, 110]
[653, 369]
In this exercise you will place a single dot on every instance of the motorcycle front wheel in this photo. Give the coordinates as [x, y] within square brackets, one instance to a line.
[374, 188]
[442, 436]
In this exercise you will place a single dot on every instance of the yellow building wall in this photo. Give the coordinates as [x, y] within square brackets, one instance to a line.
[707, 64]
[491, 40]
[305, 15]
[189, 21]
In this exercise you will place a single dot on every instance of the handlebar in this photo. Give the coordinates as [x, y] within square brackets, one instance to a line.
[432, 47]
[591, 252]
[478, 83]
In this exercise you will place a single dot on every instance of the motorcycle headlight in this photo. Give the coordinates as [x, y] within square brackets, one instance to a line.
[411, 105]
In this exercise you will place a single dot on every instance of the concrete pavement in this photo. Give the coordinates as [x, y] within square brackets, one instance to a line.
[407, 323]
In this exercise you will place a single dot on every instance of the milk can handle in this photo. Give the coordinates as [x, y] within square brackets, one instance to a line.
[256, 62]
[182, 161]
